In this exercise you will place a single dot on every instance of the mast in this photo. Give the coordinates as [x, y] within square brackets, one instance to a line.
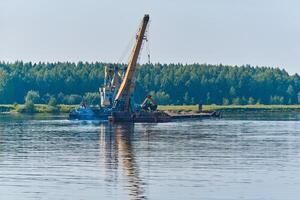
[122, 99]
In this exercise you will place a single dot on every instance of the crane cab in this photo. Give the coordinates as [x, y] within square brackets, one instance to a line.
[111, 85]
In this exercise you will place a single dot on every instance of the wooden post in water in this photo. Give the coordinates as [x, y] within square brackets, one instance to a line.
[199, 107]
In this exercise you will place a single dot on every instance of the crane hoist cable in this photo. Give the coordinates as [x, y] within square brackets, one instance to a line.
[148, 43]
[126, 50]
[145, 45]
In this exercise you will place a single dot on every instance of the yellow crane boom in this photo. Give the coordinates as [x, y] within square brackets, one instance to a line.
[122, 99]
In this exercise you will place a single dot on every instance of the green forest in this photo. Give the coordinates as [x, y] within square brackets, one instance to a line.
[169, 84]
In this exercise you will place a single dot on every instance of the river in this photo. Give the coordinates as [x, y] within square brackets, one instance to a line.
[249, 157]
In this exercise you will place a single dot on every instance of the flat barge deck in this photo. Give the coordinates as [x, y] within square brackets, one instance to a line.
[159, 116]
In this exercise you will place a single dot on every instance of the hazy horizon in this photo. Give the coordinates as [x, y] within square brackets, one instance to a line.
[259, 33]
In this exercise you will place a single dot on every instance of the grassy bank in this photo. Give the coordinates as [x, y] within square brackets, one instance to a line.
[42, 108]
[233, 107]
[6, 108]
[38, 108]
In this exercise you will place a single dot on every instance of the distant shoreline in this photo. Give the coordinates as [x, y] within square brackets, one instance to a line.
[43, 108]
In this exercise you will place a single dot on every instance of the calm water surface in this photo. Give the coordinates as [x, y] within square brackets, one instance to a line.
[233, 158]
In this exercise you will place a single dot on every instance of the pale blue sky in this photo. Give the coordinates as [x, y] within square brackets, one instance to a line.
[256, 32]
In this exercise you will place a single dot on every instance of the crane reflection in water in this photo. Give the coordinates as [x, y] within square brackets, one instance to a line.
[117, 151]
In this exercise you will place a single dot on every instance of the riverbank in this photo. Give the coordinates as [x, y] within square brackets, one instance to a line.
[38, 108]
[229, 108]
[42, 108]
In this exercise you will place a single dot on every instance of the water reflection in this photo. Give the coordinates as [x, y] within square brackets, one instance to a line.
[117, 150]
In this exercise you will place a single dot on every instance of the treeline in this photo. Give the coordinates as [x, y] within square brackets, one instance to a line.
[175, 84]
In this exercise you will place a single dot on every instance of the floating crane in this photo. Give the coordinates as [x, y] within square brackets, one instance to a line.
[116, 96]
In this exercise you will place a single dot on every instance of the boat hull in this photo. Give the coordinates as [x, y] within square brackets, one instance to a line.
[90, 114]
